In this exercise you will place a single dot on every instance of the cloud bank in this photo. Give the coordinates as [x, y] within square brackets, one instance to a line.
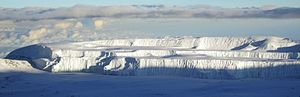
[148, 11]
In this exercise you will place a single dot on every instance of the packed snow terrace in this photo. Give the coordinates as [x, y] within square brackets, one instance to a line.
[200, 57]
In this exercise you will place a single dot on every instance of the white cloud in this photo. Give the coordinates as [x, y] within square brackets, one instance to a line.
[154, 11]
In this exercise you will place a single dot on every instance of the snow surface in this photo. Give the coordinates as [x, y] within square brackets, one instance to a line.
[154, 68]
[200, 57]
[8, 65]
[94, 85]
[20, 79]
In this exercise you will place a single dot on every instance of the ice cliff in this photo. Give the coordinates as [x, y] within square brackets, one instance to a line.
[201, 57]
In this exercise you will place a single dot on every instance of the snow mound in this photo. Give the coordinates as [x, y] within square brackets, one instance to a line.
[8, 65]
[201, 57]
[38, 55]
[31, 52]
[271, 44]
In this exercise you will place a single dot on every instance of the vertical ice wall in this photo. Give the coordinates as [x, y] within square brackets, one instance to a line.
[203, 57]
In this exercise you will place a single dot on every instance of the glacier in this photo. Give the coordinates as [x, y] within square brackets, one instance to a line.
[199, 57]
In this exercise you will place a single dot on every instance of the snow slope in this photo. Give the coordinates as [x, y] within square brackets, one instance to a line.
[200, 57]
[8, 65]
[94, 85]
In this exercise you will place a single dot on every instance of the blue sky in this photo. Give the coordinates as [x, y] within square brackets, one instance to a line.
[223, 3]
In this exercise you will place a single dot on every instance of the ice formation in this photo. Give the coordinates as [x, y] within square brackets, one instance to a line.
[201, 57]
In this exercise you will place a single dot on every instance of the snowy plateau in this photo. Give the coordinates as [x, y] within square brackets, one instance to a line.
[154, 67]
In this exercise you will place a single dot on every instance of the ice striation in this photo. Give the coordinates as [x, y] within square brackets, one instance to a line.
[200, 57]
